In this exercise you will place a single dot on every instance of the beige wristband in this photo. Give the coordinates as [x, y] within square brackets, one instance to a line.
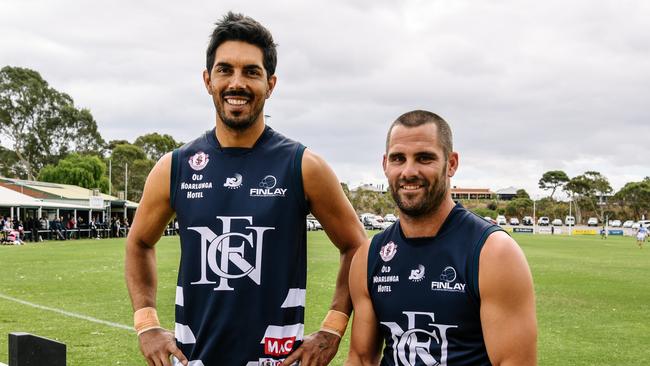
[335, 323]
[145, 319]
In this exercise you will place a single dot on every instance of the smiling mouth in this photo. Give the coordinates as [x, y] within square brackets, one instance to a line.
[236, 102]
[410, 187]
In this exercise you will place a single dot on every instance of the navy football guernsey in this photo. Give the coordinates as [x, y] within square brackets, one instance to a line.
[425, 293]
[241, 284]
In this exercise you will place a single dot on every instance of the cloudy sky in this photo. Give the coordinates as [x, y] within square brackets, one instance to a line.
[527, 86]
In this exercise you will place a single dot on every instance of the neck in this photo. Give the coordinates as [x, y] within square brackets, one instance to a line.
[229, 137]
[426, 225]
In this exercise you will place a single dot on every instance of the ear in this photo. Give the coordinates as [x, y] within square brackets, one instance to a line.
[452, 164]
[383, 163]
[272, 81]
[206, 81]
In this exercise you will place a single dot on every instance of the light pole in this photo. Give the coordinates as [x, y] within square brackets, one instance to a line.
[570, 221]
[534, 215]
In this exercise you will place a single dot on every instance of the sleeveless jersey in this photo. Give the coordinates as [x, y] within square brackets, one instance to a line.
[425, 293]
[241, 283]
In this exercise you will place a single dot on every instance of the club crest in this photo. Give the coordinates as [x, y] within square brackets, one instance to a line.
[199, 160]
[388, 251]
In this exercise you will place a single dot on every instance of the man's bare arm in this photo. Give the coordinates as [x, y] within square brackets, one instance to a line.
[365, 344]
[151, 218]
[507, 303]
[335, 213]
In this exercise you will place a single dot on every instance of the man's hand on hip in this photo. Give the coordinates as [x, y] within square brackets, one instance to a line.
[157, 345]
[317, 349]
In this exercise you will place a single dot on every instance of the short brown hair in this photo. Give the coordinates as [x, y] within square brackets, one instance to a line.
[420, 117]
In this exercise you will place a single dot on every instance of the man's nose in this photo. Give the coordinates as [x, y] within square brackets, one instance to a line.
[411, 169]
[237, 81]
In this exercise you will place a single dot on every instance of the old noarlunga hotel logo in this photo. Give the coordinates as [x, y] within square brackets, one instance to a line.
[199, 160]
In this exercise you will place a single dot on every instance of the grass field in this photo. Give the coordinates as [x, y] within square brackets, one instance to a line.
[593, 297]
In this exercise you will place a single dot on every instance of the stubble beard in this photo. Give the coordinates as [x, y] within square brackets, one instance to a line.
[240, 123]
[436, 192]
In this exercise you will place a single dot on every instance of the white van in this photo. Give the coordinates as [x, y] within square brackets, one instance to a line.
[570, 220]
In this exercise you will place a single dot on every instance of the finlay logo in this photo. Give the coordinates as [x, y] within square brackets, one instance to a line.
[448, 276]
[420, 341]
[224, 258]
[278, 346]
[267, 188]
[234, 182]
[199, 160]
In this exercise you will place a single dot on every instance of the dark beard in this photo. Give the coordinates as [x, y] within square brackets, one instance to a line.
[434, 197]
[239, 124]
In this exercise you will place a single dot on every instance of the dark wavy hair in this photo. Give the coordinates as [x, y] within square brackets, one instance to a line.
[238, 27]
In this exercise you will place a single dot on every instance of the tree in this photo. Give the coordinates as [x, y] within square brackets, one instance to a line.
[86, 171]
[589, 189]
[10, 166]
[553, 180]
[41, 123]
[521, 193]
[636, 196]
[156, 145]
[519, 207]
[138, 169]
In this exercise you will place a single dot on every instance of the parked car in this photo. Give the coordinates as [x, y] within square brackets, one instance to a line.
[556, 222]
[635, 226]
[615, 223]
[378, 223]
[570, 221]
[366, 220]
[317, 225]
[489, 219]
[527, 220]
[390, 218]
[543, 221]
[593, 221]
[644, 223]
[628, 223]
[310, 225]
[501, 220]
[514, 221]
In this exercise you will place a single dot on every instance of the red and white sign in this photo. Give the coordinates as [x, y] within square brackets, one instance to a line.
[278, 346]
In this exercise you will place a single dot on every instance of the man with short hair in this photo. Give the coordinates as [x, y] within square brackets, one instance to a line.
[441, 286]
[641, 235]
[241, 193]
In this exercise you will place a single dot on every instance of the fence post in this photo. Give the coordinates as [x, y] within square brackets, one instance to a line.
[29, 350]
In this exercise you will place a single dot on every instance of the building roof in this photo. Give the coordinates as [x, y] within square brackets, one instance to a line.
[508, 190]
[470, 190]
[11, 198]
[52, 190]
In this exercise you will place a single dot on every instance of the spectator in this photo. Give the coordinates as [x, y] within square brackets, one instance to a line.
[93, 229]
[125, 226]
[58, 229]
[45, 226]
[8, 226]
